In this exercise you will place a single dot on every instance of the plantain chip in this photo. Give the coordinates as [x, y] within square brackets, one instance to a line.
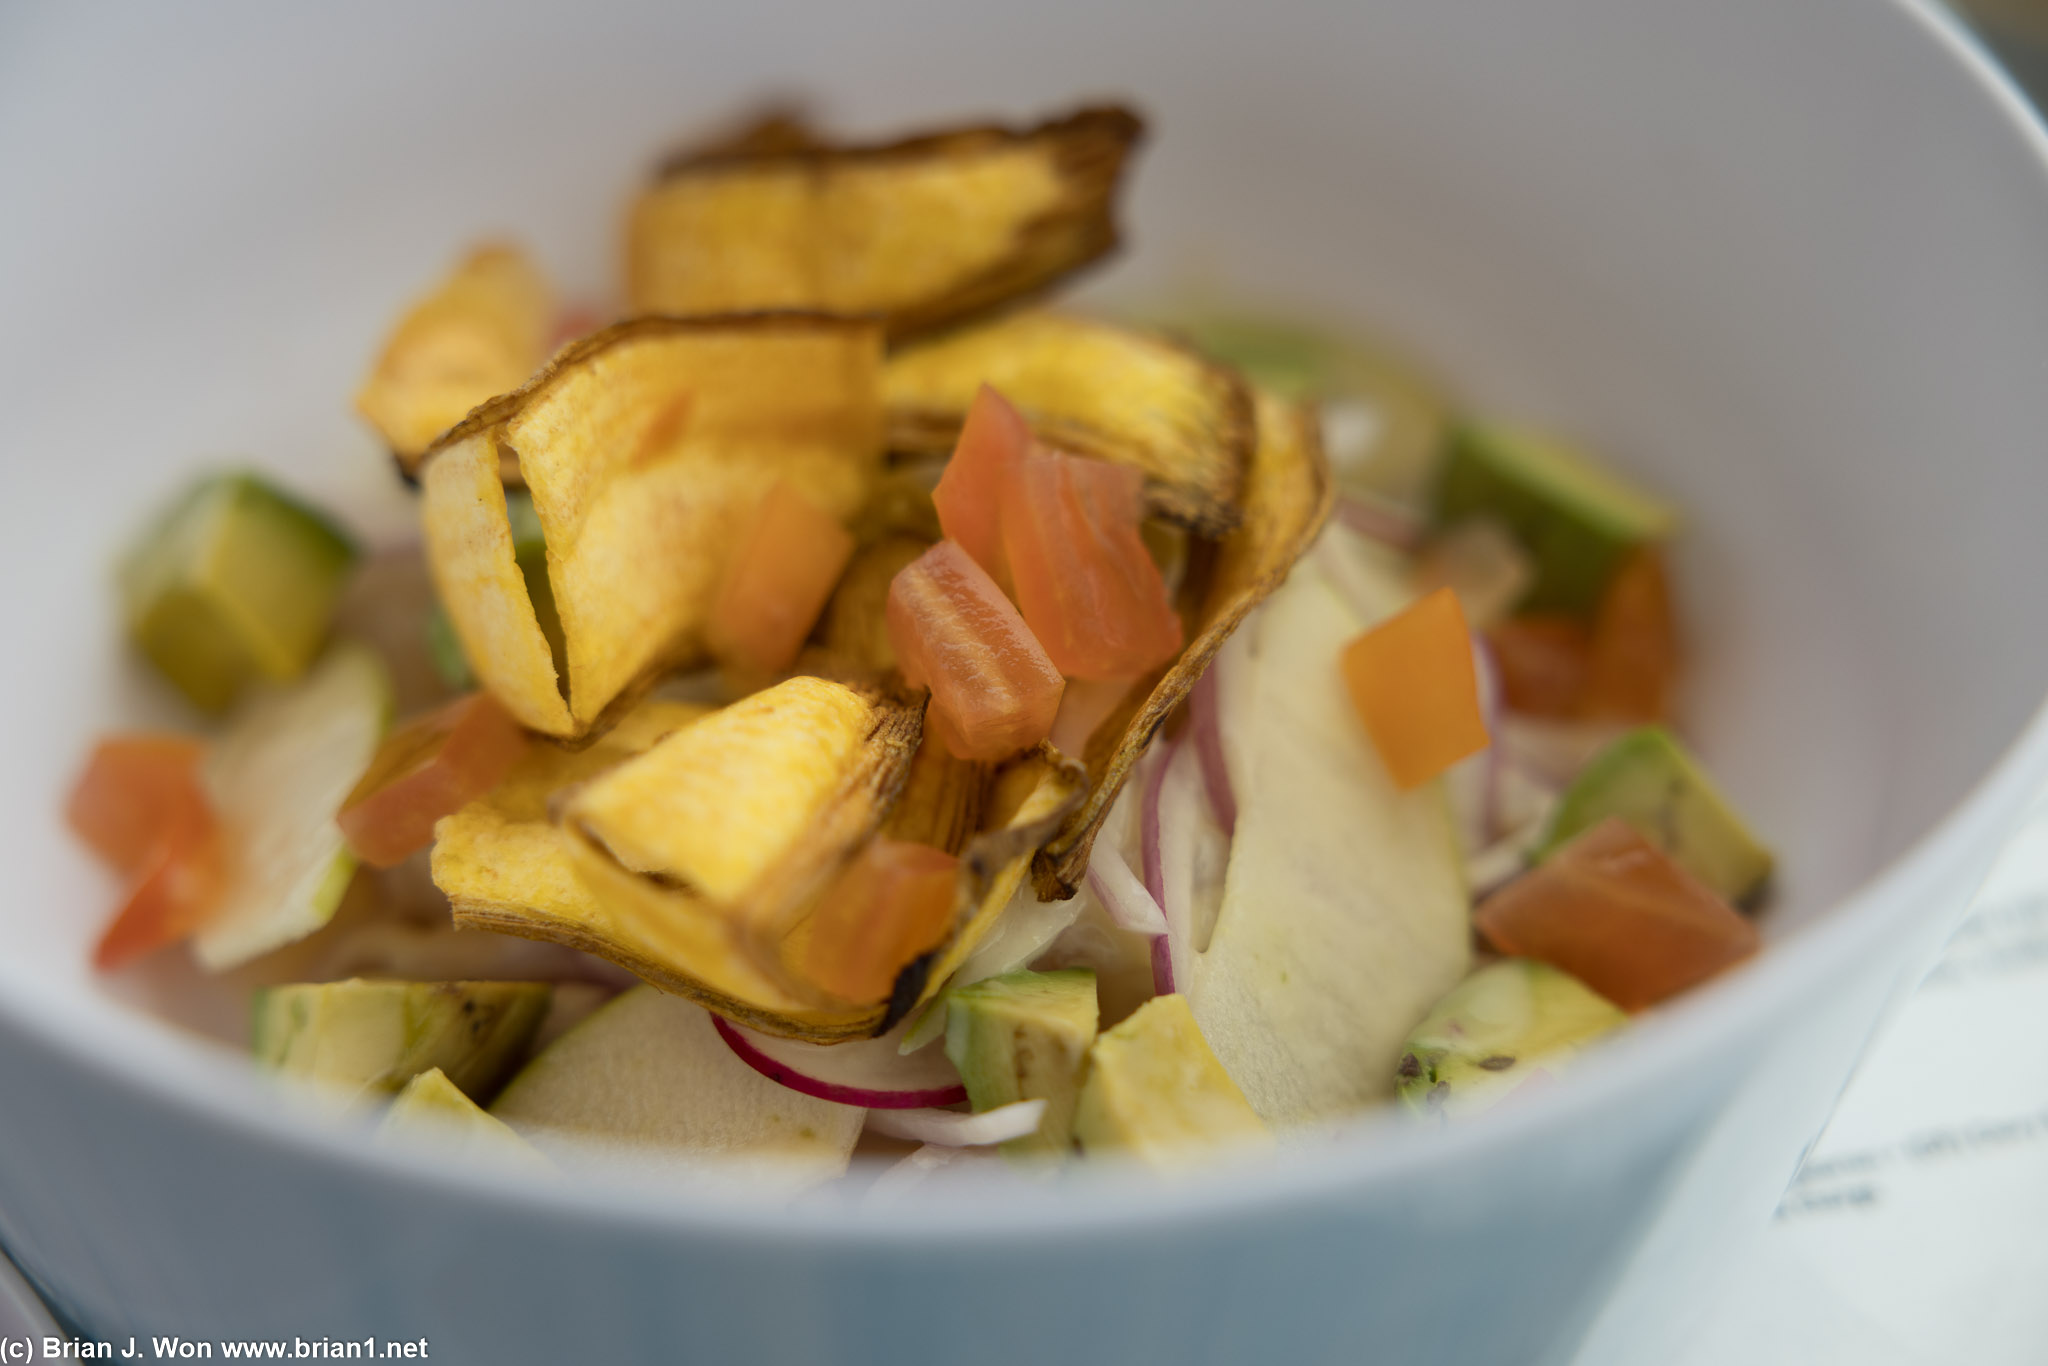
[1093, 389]
[944, 799]
[923, 231]
[1288, 494]
[642, 446]
[480, 332]
[855, 633]
[507, 867]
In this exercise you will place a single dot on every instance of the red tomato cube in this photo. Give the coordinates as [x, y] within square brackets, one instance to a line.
[994, 438]
[893, 902]
[429, 768]
[1084, 581]
[782, 571]
[994, 692]
[1614, 911]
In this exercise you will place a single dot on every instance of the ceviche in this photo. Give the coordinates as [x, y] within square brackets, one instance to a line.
[835, 702]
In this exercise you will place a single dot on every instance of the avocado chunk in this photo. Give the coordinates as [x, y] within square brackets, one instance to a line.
[1488, 1035]
[1649, 780]
[433, 1110]
[1576, 519]
[1154, 1092]
[377, 1036]
[1025, 1036]
[238, 580]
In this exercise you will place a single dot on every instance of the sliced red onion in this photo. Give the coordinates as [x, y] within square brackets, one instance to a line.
[1130, 905]
[1150, 845]
[1205, 732]
[872, 1074]
[1380, 521]
[1162, 966]
[1488, 675]
[956, 1129]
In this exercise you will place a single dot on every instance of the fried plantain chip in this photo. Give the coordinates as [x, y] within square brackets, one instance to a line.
[923, 231]
[506, 867]
[1287, 498]
[642, 445]
[1093, 389]
[856, 626]
[755, 806]
[481, 331]
[943, 799]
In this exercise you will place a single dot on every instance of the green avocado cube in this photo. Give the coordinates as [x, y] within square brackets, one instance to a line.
[1153, 1092]
[434, 1109]
[1025, 1036]
[1649, 780]
[376, 1036]
[239, 579]
[1576, 519]
[1494, 1031]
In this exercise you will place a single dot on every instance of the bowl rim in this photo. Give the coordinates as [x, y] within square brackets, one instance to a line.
[206, 1085]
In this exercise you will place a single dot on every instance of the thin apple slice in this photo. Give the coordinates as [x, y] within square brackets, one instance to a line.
[1344, 912]
[643, 445]
[276, 777]
[648, 1076]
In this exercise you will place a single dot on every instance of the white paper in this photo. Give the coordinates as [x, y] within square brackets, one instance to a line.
[1916, 1232]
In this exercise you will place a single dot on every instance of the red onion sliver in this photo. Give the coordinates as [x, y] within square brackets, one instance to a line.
[1162, 966]
[1380, 522]
[1206, 733]
[1129, 902]
[1148, 821]
[953, 1129]
[783, 1074]
[1489, 710]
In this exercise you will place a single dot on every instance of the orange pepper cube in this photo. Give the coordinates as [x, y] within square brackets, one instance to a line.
[1412, 680]
[1616, 912]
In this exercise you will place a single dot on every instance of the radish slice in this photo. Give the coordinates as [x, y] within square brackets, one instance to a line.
[869, 1073]
[1206, 735]
[954, 1129]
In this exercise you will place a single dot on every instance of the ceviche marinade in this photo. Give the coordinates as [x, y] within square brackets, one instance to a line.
[837, 701]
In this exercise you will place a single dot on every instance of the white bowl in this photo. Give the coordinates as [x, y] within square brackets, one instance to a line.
[1784, 260]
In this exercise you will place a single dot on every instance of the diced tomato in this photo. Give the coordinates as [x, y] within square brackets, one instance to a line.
[1543, 661]
[429, 768]
[993, 690]
[1087, 586]
[781, 573]
[120, 803]
[894, 901]
[1633, 663]
[1616, 912]
[969, 495]
[1412, 680]
[140, 805]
